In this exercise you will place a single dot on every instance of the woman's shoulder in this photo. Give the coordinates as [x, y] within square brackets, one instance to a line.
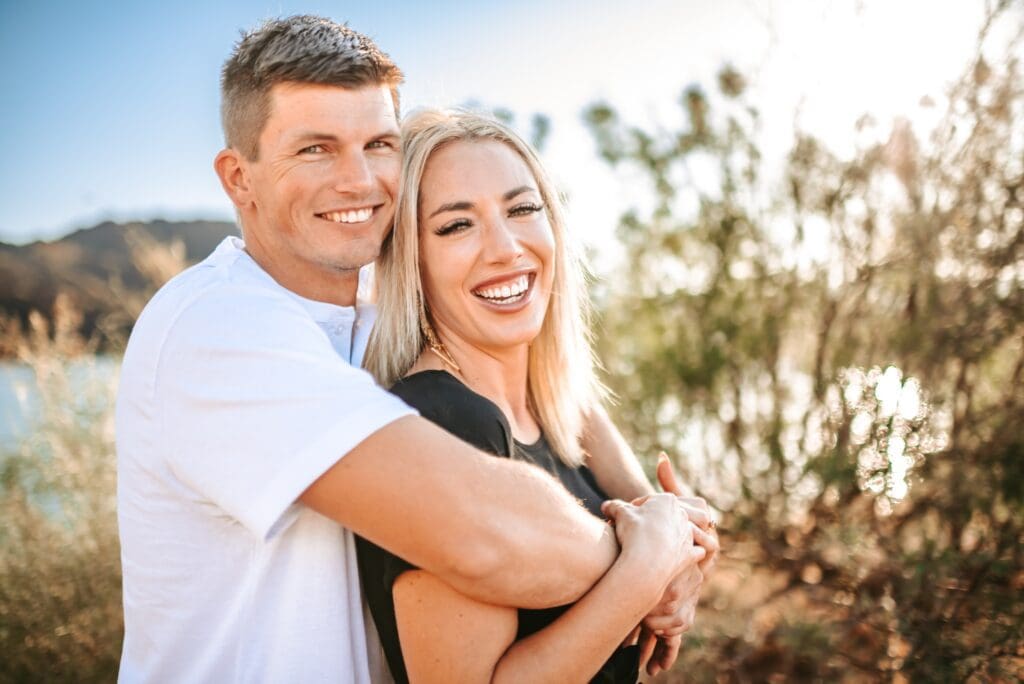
[443, 399]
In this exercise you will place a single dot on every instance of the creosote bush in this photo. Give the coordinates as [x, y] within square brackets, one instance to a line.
[838, 365]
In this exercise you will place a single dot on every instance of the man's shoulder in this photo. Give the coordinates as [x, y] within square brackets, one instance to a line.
[227, 273]
[227, 279]
[225, 294]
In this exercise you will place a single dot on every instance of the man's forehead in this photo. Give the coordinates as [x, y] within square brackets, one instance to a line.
[302, 107]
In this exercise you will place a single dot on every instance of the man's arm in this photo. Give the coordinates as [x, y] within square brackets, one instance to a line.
[497, 530]
[613, 463]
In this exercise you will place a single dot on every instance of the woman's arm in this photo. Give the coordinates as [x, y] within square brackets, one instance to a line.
[574, 647]
[447, 636]
[612, 461]
[618, 473]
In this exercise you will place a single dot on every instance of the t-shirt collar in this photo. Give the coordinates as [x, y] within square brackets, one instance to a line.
[321, 312]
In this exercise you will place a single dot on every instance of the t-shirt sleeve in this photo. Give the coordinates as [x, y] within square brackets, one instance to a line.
[256, 404]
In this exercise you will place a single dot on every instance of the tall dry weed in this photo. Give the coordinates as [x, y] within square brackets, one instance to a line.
[60, 575]
[60, 580]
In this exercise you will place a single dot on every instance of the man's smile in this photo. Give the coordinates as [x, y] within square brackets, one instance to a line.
[349, 215]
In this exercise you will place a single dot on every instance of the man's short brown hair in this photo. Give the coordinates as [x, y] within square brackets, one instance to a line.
[298, 49]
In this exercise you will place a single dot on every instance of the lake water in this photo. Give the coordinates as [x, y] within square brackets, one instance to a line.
[20, 398]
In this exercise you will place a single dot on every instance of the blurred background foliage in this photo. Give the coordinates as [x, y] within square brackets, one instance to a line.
[833, 352]
[60, 575]
[837, 367]
[60, 566]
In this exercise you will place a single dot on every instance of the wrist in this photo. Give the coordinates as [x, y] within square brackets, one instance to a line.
[648, 572]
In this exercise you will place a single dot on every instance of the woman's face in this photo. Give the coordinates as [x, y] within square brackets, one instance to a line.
[486, 246]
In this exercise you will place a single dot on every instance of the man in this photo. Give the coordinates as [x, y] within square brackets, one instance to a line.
[251, 446]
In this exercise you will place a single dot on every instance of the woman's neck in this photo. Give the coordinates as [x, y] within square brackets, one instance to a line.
[499, 375]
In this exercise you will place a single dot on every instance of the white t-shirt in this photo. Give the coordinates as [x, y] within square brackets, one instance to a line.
[236, 394]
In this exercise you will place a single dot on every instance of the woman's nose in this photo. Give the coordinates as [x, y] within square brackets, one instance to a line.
[503, 244]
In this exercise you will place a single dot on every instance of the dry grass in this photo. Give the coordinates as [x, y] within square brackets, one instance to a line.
[60, 574]
[60, 578]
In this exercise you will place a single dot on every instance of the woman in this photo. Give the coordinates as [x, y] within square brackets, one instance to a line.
[484, 332]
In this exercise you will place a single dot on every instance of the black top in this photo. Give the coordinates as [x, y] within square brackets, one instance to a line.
[444, 400]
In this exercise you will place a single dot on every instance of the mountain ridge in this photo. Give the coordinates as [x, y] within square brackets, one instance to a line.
[106, 271]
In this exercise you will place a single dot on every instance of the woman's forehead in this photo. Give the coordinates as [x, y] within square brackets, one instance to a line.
[475, 167]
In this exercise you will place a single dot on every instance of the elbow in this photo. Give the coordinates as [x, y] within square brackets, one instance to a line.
[508, 572]
[478, 563]
[496, 565]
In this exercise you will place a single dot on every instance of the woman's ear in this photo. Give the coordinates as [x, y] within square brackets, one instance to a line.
[233, 172]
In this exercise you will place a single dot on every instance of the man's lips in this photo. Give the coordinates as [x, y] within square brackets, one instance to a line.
[359, 215]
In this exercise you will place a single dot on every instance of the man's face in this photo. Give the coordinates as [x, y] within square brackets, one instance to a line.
[324, 185]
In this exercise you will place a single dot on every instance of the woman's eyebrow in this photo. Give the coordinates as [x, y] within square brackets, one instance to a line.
[464, 205]
[517, 191]
[452, 206]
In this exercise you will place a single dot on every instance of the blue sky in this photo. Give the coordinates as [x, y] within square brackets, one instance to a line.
[111, 107]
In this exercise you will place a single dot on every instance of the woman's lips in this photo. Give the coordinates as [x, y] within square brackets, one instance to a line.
[506, 294]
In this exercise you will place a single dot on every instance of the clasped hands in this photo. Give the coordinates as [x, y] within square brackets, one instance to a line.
[693, 545]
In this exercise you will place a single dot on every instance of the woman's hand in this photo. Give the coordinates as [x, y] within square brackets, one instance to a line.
[677, 611]
[698, 511]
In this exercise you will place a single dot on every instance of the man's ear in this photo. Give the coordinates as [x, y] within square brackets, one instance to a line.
[234, 176]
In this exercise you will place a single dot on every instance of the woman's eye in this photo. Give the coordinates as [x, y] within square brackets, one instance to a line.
[453, 227]
[525, 209]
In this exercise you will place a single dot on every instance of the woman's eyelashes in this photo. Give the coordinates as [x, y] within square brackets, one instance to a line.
[525, 208]
[519, 210]
[453, 226]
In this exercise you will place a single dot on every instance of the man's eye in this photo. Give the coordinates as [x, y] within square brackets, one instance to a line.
[312, 149]
[381, 144]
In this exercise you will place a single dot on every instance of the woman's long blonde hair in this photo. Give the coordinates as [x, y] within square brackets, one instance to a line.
[561, 381]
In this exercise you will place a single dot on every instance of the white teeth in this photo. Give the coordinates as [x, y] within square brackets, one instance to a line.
[351, 216]
[514, 288]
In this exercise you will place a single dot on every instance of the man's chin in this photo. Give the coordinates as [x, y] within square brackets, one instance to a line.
[351, 260]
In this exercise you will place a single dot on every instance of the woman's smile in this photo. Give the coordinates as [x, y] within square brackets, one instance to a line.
[505, 293]
[486, 246]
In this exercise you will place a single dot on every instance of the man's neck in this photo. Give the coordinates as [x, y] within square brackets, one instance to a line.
[318, 284]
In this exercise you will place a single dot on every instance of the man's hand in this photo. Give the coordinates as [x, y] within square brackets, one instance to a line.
[656, 534]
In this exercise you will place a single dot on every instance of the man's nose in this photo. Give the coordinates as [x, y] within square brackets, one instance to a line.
[352, 174]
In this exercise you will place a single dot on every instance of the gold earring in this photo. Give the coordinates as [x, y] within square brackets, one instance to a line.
[434, 344]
